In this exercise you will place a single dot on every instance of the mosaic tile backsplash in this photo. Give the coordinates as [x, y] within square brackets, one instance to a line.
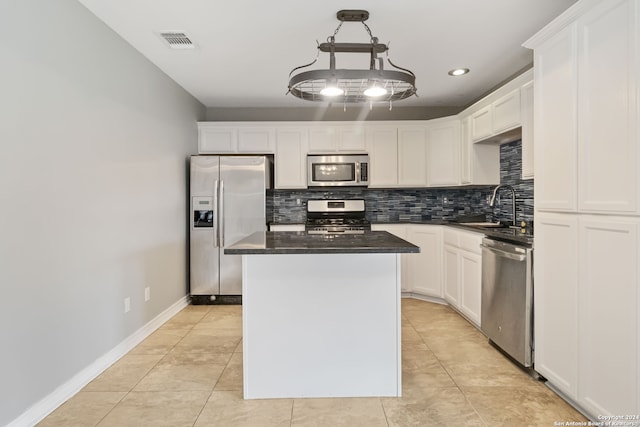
[420, 204]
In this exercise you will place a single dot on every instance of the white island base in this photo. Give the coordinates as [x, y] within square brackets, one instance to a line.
[321, 325]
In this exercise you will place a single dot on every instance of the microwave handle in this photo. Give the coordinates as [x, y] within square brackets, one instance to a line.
[358, 172]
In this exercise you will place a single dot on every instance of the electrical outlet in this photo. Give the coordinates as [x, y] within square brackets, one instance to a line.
[298, 202]
[445, 200]
[147, 294]
[127, 304]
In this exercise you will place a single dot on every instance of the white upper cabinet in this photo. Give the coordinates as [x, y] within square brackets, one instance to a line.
[497, 117]
[415, 156]
[526, 100]
[326, 139]
[555, 120]
[402, 154]
[506, 112]
[465, 150]
[382, 146]
[586, 113]
[290, 162]
[481, 124]
[412, 156]
[443, 152]
[232, 138]
[352, 139]
[608, 73]
[256, 140]
[479, 163]
[213, 139]
[322, 139]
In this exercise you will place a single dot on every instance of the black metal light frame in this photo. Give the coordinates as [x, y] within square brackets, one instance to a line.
[399, 83]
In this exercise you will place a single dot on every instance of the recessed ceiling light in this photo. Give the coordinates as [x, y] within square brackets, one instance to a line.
[458, 71]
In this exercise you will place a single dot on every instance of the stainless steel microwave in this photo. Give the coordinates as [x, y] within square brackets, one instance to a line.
[346, 170]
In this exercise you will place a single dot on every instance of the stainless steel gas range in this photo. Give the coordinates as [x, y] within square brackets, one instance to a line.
[336, 216]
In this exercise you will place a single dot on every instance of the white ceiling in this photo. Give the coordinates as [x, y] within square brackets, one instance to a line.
[246, 48]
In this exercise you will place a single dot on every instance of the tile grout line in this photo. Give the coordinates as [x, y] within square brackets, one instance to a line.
[293, 402]
[386, 418]
[442, 365]
[127, 393]
[213, 389]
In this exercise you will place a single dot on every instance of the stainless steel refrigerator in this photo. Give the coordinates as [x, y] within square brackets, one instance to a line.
[227, 198]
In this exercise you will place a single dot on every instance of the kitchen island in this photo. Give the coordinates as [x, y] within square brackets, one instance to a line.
[321, 314]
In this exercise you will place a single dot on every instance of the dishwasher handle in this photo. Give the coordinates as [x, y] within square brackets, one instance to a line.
[504, 254]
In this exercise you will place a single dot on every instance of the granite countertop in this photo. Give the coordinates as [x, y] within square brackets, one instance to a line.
[512, 235]
[504, 233]
[298, 242]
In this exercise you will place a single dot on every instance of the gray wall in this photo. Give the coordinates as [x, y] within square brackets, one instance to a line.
[93, 141]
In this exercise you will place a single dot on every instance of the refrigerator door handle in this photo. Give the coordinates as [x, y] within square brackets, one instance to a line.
[216, 237]
[221, 215]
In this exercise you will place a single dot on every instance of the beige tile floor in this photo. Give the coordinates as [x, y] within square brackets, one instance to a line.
[189, 373]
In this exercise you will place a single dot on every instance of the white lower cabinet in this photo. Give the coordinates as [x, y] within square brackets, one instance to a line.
[586, 304]
[425, 268]
[462, 268]
[608, 356]
[399, 230]
[555, 300]
[451, 264]
[421, 272]
[470, 284]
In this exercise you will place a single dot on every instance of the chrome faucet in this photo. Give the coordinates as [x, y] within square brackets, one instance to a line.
[492, 201]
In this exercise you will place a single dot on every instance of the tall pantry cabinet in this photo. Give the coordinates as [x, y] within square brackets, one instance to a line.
[586, 297]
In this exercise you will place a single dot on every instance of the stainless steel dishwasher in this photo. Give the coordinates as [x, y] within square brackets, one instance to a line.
[507, 298]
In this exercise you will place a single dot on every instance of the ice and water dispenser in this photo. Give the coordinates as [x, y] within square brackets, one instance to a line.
[202, 208]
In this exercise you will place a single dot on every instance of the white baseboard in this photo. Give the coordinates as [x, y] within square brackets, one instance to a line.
[424, 298]
[48, 404]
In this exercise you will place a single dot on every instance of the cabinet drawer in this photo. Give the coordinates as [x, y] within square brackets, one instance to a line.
[471, 242]
[450, 237]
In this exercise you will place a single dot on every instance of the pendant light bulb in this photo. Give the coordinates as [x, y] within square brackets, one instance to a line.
[331, 91]
[375, 91]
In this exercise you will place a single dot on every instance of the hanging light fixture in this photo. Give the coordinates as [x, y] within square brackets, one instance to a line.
[352, 86]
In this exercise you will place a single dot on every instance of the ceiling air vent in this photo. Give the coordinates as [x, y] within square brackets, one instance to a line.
[177, 40]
